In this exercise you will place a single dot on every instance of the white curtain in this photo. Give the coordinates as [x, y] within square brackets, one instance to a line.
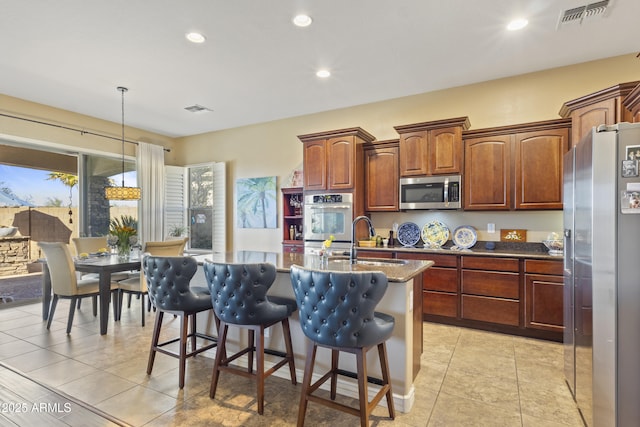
[150, 170]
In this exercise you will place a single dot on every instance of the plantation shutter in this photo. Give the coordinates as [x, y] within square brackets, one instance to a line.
[175, 198]
[219, 207]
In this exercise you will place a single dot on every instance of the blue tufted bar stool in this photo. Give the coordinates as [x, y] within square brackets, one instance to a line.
[239, 297]
[168, 281]
[337, 312]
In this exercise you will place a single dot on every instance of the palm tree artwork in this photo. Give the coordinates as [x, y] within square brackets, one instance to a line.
[256, 202]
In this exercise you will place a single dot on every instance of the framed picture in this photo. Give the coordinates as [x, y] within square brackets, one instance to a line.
[633, 152]
[256, 202]
[629, 168]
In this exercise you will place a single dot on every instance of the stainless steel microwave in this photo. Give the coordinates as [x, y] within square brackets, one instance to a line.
[431, 192]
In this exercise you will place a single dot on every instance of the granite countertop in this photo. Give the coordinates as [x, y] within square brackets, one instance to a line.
[502, 249]
[395, 270]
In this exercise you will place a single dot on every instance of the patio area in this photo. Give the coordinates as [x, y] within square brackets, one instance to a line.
[22, 289]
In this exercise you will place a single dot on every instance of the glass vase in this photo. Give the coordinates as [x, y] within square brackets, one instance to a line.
[124, 249]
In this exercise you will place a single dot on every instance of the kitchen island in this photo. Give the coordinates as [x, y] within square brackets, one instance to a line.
[402, 300]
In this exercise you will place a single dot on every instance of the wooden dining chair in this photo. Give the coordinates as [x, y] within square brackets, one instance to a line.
[91, 245]
[137, 285]
[65, 283]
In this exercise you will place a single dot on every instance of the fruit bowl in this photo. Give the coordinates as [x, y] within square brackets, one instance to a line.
[555, 246]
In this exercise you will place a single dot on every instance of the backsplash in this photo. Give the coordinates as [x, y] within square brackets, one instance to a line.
[538, 224]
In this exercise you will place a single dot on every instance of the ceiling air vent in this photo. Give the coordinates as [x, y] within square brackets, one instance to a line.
[197, 109]
[581, 14]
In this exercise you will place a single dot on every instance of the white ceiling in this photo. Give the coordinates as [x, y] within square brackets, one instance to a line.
[256, 66]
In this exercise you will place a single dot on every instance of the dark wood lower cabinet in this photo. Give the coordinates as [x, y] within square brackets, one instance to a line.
[511, 295]
[440, 303]
[500, 311]
[489, 293]
[439, 284]
[544, 288]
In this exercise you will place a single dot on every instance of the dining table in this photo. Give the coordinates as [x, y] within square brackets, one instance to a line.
[101, 265]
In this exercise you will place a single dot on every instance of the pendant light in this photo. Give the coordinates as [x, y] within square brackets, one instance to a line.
[122, 193]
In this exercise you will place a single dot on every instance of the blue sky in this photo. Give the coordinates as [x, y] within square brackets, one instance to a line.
[33, 186]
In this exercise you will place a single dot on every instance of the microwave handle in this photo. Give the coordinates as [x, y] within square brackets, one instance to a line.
[446, 192]
[329, 207]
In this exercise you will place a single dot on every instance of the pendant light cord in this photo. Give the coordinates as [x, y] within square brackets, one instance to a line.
[122, 91]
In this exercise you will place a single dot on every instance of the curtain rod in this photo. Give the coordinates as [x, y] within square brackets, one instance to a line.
[81, 131]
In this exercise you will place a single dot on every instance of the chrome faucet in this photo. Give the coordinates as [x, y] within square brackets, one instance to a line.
[353, 254]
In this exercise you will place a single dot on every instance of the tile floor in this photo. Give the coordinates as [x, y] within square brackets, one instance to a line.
[468, 377]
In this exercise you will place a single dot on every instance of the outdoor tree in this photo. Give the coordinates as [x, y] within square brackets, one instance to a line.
[68, 180]
[54, 201]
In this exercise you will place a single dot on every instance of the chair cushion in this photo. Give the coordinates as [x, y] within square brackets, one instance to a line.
[288, 302]
[168, 281]
[132, 284]
[337, 308]
[239, 293]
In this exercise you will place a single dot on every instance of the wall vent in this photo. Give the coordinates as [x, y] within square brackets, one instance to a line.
[197, 109]
[582, 14]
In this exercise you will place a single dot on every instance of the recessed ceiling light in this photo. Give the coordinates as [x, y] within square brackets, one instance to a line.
[323, 74]
[195, 37]
[517, 24]
[302, 20]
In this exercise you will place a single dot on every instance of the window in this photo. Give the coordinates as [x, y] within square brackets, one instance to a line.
[195, 203]
[99, 172]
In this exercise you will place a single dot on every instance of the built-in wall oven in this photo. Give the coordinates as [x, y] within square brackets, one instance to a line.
[327, 215]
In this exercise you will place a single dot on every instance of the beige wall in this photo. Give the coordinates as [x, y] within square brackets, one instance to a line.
[272, 148]
[12, 129]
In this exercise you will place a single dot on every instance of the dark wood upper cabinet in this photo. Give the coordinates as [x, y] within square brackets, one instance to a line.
[341, 162]
[431, 148]
[333, 160]
[632, 103]
[515, 167]
[538, 168]
[381, 176]
[315, 165]
[487, 183]
[602, 107]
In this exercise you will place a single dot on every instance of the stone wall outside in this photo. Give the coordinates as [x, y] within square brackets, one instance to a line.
[14, 255]
[49, 224]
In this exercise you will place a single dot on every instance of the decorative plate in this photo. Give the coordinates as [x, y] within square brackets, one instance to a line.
[465, 236]
[408, 234]
[435, 234]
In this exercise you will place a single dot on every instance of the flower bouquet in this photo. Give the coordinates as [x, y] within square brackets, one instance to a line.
[324, 252]
[125, 229]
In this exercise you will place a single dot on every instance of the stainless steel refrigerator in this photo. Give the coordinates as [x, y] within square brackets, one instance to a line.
[602, 275]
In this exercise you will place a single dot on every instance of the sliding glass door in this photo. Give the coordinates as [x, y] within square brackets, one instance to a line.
[98, 172]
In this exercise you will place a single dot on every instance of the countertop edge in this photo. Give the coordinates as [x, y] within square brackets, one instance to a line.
[507, 253]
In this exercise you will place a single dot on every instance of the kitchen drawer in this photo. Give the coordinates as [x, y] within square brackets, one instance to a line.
[292, 248]
[374, 254]
[438, 260]
[490, 263]
[491, 283]
[494, 310]
[540, 266]
[440, 279]
[440, 304]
